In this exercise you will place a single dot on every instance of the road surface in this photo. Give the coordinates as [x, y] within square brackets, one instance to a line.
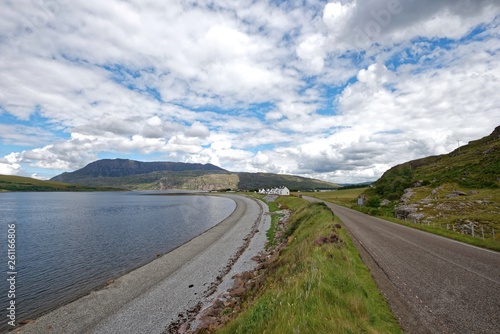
[433, 284]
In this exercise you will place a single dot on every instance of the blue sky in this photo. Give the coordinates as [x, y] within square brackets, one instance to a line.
[335, 90]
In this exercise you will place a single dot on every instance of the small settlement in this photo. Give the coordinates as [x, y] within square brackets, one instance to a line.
[283, 191]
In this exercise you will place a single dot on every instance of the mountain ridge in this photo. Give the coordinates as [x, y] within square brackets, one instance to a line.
[161, 175]
[126, 167]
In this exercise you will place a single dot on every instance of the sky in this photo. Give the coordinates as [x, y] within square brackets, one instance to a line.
[335, 90]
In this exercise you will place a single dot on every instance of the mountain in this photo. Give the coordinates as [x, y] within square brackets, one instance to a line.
[125, 167]
[132, 174]
[20, 183]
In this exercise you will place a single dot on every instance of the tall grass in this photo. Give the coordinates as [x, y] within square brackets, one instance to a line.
[315, 288]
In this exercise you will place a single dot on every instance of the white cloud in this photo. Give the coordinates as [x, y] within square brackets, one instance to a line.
[338, 91]
[313, 52]
[22, 135]
[38, 177]
[10, 164]
[260, 159]
[9, 169]
[198, 130]
[360, 23]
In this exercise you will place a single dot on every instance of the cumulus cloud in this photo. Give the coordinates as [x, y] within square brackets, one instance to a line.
[23, 135]
[361, 23]
[10, 164]
[9, 169]
[312, 51]
[198, 130]
[339, 91]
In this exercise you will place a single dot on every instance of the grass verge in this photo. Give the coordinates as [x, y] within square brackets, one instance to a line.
[315, 287]
[271, 232]
[438, 230]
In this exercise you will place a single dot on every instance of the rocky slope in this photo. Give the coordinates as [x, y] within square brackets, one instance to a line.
[458, 191]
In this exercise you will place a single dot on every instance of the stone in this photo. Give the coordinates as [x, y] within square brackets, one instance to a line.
[385, 202]
[403, 211]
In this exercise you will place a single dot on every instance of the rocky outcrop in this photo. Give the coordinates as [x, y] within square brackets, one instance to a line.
[455, 193]
[407, 195]
[212, 182]
[404, 211]
[385, 202]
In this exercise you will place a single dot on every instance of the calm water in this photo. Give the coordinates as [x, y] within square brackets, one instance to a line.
[70, 243]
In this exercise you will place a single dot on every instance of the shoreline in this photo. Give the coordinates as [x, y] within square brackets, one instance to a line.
[150, 297]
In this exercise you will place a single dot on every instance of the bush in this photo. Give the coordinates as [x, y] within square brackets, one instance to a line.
[393, 197]
[373, 202]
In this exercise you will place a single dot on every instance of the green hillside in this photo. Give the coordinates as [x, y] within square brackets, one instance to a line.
[20, 183]
[473, 166]
[455, 194]
[250, 181]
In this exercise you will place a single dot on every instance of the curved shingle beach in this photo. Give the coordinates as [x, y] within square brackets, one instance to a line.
[149, 298]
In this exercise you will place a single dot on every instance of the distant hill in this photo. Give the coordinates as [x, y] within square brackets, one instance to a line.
[20, 183]
[248, 181]
[132, 174]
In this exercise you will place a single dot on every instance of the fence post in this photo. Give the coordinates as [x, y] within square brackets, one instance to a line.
[482, 232]
[493, 232]
[472, 226]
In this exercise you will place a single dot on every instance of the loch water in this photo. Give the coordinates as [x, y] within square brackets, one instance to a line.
[67, 244]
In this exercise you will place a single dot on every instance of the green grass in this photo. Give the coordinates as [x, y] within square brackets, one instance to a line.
[19, 183]
[315, 288]
[273, 206]
[275, 217]
[341, 197]
[271, 232]
[439, 230]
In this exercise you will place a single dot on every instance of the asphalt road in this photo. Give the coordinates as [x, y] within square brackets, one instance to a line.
[433, 284]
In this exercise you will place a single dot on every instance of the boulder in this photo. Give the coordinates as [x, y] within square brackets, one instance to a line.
[385, 202]
[403, 211]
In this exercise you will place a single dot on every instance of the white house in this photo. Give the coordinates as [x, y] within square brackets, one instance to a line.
[283, 191]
